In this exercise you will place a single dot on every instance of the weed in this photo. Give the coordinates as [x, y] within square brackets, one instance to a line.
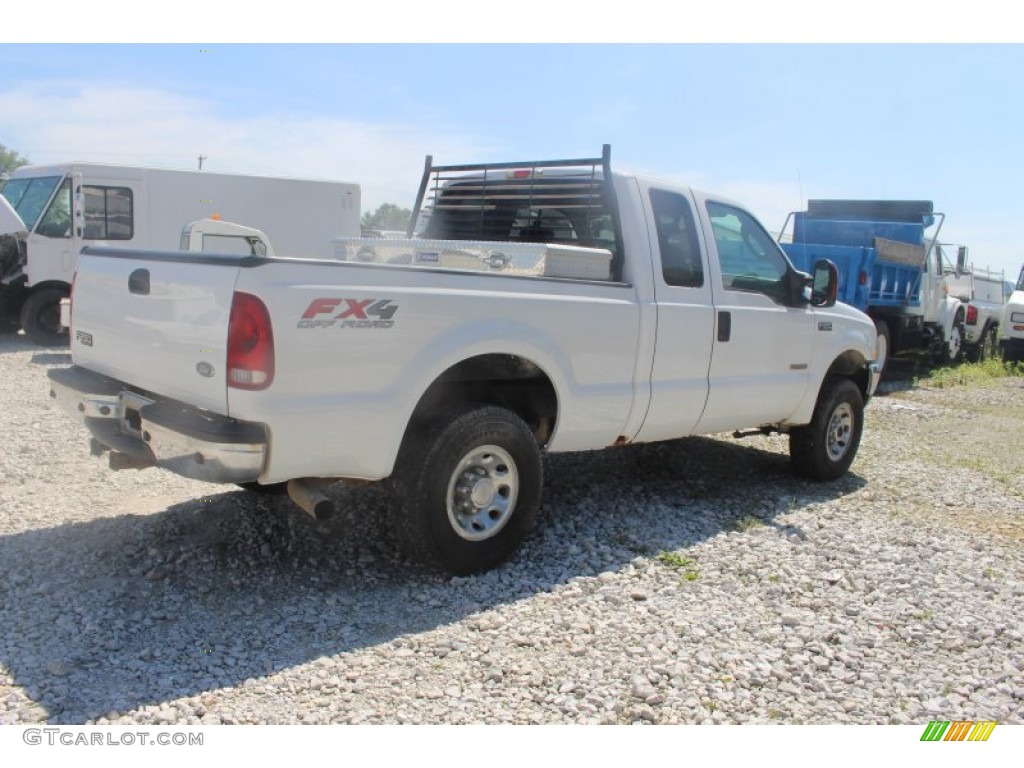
[674, 560]
[747, 523]
[926, 615]
[970, 374]
[686, 566]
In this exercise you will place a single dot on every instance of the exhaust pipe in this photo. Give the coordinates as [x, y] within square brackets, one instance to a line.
[305, 492]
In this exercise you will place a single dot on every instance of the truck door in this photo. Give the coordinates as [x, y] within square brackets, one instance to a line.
[685, 330]
[49, 241]
[760, 364]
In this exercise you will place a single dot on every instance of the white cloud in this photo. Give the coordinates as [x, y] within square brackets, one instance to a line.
[64, 121]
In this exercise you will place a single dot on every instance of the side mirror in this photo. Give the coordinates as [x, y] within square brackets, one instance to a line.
[961, 260]
[825, 283]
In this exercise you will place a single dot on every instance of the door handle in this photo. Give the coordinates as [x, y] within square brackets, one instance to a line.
[724, 326]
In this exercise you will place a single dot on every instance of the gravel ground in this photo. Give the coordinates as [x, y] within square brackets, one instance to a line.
[689, 582]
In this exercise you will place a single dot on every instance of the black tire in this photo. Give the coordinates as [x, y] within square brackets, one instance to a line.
[883, 349]
[466, 489]
[951, 351]
[40, 317]
[1010, 354]
[986, 348]
[825, 448]
[273, 489]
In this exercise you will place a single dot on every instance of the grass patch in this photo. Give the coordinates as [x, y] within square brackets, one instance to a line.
[686, 566]
[747, 523]
[970, 374]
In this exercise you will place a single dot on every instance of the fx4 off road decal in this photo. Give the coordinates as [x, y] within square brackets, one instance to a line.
[348, 313]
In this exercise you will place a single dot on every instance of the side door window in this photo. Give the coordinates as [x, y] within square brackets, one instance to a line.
[56, 222]
[108, 213]
[749, 258]
[677, 240]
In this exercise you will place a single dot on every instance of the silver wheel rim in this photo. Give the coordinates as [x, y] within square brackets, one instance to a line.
[955, 341]
[881, 350]
[482, 492]
[840, 431]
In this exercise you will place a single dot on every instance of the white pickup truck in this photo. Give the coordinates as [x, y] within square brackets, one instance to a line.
[981, 292]
[450, 361]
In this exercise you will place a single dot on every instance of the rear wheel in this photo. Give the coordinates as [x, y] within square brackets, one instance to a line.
[825, 448]
[40, 317]
[952, 348]
[988, 347]
[466, 489]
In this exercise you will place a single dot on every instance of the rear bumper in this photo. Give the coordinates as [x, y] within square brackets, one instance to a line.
[143, 430]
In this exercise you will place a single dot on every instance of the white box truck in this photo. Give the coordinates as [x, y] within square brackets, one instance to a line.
[51, 211]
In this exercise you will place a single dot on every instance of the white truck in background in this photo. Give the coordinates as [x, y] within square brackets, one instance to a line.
[59, 209]
[539, 306]
[981, 293]
[1011, 335]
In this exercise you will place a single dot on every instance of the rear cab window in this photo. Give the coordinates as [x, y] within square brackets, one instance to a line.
[677, 239]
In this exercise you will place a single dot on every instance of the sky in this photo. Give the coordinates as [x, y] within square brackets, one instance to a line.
[769, 125]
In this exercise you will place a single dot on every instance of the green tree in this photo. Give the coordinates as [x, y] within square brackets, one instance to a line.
[9, 160]
[387, 216]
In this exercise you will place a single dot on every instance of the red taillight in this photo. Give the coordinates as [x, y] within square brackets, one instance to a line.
[972, 314]
[250, 344]
[863, 278]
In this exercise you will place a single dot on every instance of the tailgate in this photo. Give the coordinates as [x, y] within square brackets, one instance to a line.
[156, 320]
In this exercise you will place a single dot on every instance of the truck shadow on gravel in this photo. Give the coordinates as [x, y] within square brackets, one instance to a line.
[133, 610]
[12, 341]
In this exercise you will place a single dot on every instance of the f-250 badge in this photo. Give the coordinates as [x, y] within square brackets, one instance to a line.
[348, 313]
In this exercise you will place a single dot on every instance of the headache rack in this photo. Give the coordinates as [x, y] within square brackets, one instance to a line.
[564, 202]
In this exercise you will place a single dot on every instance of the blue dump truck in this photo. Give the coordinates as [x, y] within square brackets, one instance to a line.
[890, 266]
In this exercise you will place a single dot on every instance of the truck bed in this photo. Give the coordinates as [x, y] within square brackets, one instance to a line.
[865, 278]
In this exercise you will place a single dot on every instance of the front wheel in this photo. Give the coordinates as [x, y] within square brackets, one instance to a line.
[466, 489]
[40, 317]
[825, 448]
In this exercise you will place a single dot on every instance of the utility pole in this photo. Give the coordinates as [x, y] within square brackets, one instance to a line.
[201, 158]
